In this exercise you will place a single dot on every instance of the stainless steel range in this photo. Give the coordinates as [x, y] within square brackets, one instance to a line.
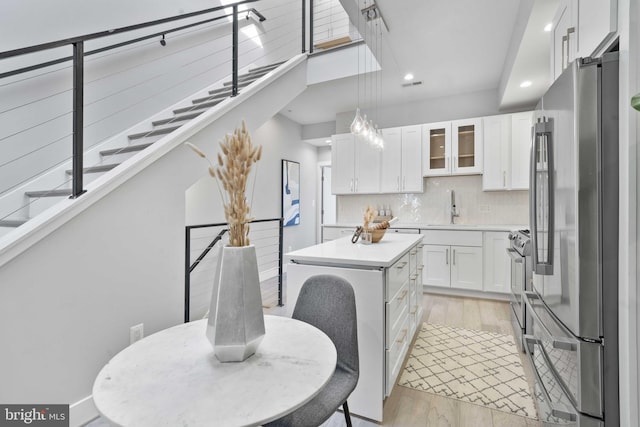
[520, 254]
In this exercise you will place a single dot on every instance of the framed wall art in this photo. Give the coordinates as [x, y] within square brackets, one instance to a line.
[290, 193]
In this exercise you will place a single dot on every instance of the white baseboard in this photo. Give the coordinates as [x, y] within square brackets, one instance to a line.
[83, 411]
[268, 274]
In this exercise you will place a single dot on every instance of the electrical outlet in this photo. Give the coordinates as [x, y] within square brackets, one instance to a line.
[136, 333]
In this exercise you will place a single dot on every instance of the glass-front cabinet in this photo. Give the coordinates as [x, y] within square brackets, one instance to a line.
[452, 148]
[436, 150]
[466, 141]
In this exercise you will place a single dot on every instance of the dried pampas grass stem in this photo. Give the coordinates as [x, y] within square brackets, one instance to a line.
[233, 168]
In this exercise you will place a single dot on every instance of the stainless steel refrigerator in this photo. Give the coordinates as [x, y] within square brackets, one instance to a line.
[573, 342]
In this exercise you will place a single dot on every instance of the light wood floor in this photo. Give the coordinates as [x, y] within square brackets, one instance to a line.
[406, 407]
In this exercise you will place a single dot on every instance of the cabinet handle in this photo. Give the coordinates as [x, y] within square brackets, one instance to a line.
[356, 185]
[404, 336]
[565, 52]
[351, 185]
[402, 265]
[404, 294]
[504, 179]
[398, 182]
[453, 260]
[446, 257]
[404, 182]
[570, 31]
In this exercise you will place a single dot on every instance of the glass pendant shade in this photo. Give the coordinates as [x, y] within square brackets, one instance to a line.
[366, 129]
[358, 123]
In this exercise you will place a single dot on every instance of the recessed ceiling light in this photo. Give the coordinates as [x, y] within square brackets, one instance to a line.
[548, 27]
[328, 141]
[525, 83]
[408, 77]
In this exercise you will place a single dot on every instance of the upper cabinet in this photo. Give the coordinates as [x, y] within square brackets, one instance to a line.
[402, 160]
[355, 166]
[507, 141]
[452, 148]
[436, 140]
[580, 29]
[466, 144]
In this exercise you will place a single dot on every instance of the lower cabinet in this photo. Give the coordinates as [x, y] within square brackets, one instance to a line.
[454, 260]
[497, 264]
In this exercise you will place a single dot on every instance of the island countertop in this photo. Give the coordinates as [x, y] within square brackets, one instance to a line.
[341, 252]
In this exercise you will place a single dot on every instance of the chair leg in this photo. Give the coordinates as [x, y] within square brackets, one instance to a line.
[347, 416]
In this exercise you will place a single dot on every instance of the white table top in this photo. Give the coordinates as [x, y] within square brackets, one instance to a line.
[343, 252]
[172, 378]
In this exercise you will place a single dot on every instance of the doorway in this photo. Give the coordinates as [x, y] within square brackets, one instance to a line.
[327, 200]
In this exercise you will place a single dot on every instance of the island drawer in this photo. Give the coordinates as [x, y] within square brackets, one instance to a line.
[397, 274]
[395, 354]
[396, 309]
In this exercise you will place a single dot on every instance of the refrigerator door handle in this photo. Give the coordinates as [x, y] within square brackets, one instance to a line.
[541, 160]
[559, 343]
[556, 410]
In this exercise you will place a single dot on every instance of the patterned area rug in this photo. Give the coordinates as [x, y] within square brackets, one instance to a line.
[478, 367]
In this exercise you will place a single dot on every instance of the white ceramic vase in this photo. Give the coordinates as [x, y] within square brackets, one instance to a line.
[236, 323]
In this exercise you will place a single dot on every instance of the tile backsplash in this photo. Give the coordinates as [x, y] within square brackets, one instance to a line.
[433, 206]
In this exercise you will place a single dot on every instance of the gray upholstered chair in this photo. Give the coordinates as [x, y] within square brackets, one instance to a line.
[328, 303]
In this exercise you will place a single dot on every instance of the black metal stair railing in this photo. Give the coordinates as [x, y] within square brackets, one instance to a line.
[78, 72]
[267, 245]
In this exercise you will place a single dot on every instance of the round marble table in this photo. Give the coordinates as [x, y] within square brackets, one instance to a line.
[172, 378]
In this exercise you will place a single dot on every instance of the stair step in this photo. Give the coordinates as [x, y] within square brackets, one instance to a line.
[248, 78]
[213, 96]
[201, 106]
[96, 169]
[154, 132]
[49, 193]
[127, 149]
[177, 119]
[12, 222]
[264, 67]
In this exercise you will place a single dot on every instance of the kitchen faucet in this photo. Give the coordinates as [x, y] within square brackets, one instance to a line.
[454, 212]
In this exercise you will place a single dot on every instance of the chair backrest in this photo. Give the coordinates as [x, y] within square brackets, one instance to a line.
[328, 303]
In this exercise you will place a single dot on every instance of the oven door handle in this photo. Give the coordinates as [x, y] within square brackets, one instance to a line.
[515, 256]
[555, 410]
[559, 343]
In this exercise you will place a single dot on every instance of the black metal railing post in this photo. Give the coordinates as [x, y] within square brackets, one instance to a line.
[280, 256]
[234, 58]
[187, 275]
[304, 26]
[78, 118]
[310, 26]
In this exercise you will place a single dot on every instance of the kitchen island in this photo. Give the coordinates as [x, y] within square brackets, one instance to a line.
[386, 278]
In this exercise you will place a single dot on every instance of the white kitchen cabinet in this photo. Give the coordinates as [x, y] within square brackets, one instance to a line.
[436, 150]
[401, 170]
[452, 259]
[507, 141]
[497, 264]
[332, 232]
[581, 28]
[466, 267]
[466, 146]
[452, 148]
[355, 166]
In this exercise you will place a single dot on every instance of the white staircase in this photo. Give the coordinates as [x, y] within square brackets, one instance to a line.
[42, 193]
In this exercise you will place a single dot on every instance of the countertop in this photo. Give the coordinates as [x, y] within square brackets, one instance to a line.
[416, 226]
[341, 252]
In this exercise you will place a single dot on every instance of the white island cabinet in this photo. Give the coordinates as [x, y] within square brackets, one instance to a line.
[384, 277]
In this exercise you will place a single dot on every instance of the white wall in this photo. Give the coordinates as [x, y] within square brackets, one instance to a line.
[281, 139]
